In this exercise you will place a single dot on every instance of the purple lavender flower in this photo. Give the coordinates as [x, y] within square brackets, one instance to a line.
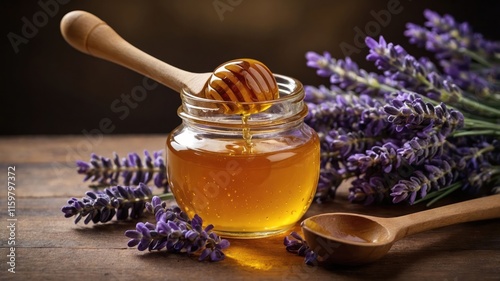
[316, 95]
[369, 189]
[133, 170]
[417, 150]
[329, 180]
[402, 67]
[347, 75]
[457, 46]
[320, 62]
[476, 83]
[413, 76]
[175, 233]
[385, 156]
[399, 132]
[433, 175]
[214, 248]
[385, 55]
[102, 206]
[462, 33]
[297, 245]
[416, 115]
[479, 162]
[417, 34]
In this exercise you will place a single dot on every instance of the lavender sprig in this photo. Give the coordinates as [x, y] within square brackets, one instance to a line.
[434, 175]
[401, 66]
[127, 171]
[297, 245]
[101, 206]
[370, 188]
[456, 47]
[347, 75]
[416, 115]
[452, 40]
[174, 232]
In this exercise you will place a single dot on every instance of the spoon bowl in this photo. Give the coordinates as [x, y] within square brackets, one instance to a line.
[342, 238]
[353, 239]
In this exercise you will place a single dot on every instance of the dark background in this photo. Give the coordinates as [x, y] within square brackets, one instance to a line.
[50, 88]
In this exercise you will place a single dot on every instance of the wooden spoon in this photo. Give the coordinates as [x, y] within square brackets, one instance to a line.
[238, 81]
[352, 239]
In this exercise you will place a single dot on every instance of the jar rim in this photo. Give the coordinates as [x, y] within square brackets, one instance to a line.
[288, 110]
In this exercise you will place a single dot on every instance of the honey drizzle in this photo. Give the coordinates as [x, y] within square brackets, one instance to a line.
[247, 135]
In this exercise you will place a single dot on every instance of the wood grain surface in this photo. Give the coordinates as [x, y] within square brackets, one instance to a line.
[50, 247]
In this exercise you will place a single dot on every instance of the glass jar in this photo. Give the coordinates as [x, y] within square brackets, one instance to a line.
[248, 175]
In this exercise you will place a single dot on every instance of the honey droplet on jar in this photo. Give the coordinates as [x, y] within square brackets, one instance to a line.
[245, 84]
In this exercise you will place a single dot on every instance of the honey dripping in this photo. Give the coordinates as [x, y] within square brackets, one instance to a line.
[247, 135]
[246, 84]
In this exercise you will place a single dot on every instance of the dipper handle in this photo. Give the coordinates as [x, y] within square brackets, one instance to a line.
[91, 35]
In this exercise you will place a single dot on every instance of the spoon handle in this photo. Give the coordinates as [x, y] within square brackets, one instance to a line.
[89, 34]
[471, 210]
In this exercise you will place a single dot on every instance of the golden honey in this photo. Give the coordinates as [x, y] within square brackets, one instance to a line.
[250, 176]
[266, 192]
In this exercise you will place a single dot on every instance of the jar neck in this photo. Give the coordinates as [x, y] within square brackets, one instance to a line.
[287, 111]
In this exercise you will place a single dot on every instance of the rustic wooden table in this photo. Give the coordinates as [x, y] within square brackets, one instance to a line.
[50, 247]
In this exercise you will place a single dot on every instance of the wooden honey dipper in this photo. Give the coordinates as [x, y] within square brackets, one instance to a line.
[245, 82]
[237, 82]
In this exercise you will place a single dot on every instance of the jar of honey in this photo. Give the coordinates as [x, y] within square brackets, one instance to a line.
[250, 175]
